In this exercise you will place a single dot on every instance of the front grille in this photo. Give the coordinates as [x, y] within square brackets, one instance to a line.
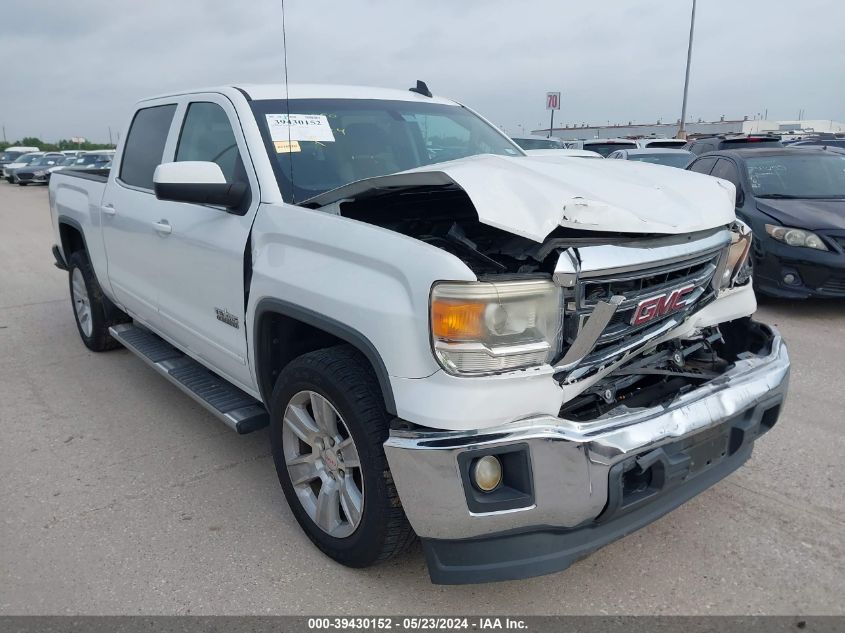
[636, 287]
[28, 175]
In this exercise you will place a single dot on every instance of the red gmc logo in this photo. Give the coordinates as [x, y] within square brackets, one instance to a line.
[661, 305]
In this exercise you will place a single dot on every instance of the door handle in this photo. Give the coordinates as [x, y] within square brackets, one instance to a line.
[163, 227]
[108, 209]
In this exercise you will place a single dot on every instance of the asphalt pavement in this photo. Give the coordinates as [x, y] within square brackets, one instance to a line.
[119, 495]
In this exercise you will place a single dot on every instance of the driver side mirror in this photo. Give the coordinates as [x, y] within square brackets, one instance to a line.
[199, 182]
[740, 197]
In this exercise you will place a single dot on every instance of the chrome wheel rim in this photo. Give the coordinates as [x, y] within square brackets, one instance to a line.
[81, 303]
[323, 464]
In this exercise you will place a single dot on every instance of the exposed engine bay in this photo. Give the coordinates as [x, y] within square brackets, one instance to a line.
[669, 370]
[444, 216]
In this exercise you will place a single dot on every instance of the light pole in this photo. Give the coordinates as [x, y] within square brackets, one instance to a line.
[681, 132]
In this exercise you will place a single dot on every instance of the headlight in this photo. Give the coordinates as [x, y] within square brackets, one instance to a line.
[736, 269]
[796, 237]
[486, 328]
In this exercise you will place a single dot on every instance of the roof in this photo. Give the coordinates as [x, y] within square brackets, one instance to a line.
[316, 91]
[774, 151]
[610, 140]
[654, 150]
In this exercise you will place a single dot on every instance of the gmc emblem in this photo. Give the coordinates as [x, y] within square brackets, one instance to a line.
[661, 305]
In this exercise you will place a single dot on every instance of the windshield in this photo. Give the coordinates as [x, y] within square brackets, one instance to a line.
[810, 176]
[538, 143]
[337, 141]
[51, 159]
[9, 156]
[90, 159]
[607, 148]
[672, 159]
[28, 159]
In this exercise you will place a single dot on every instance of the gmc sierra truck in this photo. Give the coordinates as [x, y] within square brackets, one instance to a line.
[517, 359]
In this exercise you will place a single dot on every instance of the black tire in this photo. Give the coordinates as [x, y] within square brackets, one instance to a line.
[22, 184]
[103, 313]
[345, 378]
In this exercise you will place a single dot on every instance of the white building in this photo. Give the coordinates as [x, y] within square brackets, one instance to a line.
[669, 130]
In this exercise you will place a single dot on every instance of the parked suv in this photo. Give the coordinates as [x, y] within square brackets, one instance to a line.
[713, 143]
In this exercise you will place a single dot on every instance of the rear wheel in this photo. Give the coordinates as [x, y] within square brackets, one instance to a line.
[328, 424]
[92, 310]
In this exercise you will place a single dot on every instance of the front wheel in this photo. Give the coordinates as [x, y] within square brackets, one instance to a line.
[328, 424]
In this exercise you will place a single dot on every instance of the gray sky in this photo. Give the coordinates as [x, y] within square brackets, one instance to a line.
[72, 68]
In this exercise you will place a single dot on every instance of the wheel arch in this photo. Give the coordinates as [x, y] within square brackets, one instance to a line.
[72, 236]
[282, 331]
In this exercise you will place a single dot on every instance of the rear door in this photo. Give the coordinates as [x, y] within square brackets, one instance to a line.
[130, 213]
[202, 289]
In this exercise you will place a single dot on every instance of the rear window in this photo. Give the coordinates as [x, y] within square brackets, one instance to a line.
[669, 144]
[606, 148]
[750, 143]
[145, 145]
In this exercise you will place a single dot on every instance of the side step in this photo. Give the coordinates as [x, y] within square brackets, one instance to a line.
[236, 409]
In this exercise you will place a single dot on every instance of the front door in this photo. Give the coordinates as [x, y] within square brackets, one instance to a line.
[201, 294]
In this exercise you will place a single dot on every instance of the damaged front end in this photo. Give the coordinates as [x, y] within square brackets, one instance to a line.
[602, 308]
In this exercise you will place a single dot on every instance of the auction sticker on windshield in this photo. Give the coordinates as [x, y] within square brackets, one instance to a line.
[299, 127]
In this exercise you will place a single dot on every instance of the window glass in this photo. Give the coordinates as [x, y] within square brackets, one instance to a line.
[538, 143]
[606, 148]
[363, 138]
[703, 166]
[145, 145]
[672, 159]
[814, 175]
[727, 170]
[207, 135]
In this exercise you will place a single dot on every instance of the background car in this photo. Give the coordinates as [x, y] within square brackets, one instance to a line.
[655, 155]
[605, 146]
[794, 201]
[824, 140]
[21, 161]
[92, 160]
[38, 170]
[706, 144]
[537, 142]
[571, 153]
[676, 143]
[9, 154]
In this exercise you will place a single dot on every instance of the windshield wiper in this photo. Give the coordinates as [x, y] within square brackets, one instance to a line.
[781, 196]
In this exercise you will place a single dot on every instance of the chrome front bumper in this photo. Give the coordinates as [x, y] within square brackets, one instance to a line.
[571, 463]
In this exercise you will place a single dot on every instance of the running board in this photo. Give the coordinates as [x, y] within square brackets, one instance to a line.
[238, 410]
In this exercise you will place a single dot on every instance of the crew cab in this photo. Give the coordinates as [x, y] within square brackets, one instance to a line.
[515, 359]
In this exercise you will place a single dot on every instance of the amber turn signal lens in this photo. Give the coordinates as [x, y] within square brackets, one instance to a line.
[456, 320]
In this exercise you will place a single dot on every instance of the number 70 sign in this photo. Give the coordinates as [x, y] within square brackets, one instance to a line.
[552, 101]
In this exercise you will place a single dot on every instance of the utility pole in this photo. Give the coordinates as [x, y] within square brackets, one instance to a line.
[4, 134]
[110, 141]
[681, 132]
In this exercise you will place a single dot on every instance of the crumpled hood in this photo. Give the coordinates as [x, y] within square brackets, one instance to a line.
[810, 214]
[532, 195]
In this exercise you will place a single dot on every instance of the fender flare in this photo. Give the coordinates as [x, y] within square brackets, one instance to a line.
[63, 219]
[331, 326]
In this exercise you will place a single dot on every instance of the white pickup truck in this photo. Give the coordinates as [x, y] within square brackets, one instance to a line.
[517, 359]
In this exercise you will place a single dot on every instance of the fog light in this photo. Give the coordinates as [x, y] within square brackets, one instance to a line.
[789, 278]
[487, 473]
